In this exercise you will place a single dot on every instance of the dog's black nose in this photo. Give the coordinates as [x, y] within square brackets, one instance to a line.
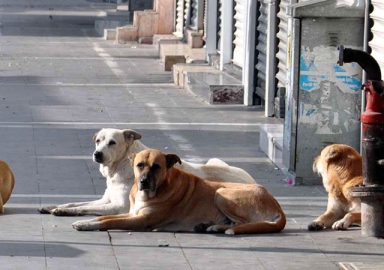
[98, 156]
[144, 183]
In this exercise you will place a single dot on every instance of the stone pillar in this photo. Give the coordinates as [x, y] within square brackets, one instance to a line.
[165, 9]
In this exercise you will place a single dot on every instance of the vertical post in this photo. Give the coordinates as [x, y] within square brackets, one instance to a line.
[211, 35]
[250, 47]
[270, 83]
[367, 4]
[226, 34]
[200, 15]
[291, 102]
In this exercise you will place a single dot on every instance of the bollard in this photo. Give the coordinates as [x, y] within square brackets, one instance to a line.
[371, 192]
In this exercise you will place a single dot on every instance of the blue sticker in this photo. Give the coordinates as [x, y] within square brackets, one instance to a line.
[310, 77]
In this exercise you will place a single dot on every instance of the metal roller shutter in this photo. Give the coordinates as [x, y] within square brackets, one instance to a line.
[377, 43]
[205, 19]
[239, 17]
[219, 19]
[194, 24]
[187, 18]
[282, 36]
[180, 7]
[261, 48]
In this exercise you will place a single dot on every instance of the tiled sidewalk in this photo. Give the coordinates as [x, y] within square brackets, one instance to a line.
[59, 84]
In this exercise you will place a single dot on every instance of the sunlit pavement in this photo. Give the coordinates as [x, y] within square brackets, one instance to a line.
[60, 83]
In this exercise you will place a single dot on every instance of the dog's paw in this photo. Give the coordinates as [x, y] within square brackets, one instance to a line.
[230, 232]
[213, 229]
[202, 227]
[46, 210]
[340, 225]
[43, 210]
[62, 212]
[316, 225]
[85, 225]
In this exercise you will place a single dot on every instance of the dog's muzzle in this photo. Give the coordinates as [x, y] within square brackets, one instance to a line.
[98, 157]
[147, 183]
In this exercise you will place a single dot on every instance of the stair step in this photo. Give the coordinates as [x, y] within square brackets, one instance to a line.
[215, 88]
[101, 25]
[165, 39]
[181, 70]
[271, 143]
[126, 33]
[110, 34]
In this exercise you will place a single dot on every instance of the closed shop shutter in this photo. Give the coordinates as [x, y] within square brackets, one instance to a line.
[377, 43]
[261, 48]
[194, 18]
[219, 19]
[239, 29]
[282, 36]
[205, 19]
[180, 7]
[187, 15]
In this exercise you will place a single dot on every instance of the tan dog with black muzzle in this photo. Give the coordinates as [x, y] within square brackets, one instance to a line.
[7, 182]
[165, 198]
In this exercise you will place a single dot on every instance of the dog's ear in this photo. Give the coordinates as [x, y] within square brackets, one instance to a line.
[130, 134]
[172, 159]
[332, 155]
[131, 158]
[314, 166]
[94, 136]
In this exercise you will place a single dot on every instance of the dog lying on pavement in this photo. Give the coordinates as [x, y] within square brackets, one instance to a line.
[168, 199]
[113, 147]
[7, 182]
[341, 169]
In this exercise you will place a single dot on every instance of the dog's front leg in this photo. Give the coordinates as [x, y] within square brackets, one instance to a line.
[118, 222]
[97, 210]
[1, 205]
[347, 220]
[48, 209]
[334, 212]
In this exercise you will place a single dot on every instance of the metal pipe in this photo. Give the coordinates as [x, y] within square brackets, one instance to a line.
[365, 60]
[371, 193]
[366, 49]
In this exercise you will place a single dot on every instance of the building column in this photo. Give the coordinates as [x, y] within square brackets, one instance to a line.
[211, 35]
[270, 83]
[249, 51]
[226, 34]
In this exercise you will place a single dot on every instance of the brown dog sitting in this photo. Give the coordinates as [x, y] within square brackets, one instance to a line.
[7, 182]
[164, 198]
[341, 169]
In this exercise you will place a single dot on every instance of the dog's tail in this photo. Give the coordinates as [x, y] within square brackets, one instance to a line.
[216, 161]
[260, 226]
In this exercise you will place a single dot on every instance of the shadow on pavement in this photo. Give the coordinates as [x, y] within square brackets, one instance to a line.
[38, 249]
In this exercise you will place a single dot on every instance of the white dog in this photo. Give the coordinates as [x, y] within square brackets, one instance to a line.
[113, 147]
